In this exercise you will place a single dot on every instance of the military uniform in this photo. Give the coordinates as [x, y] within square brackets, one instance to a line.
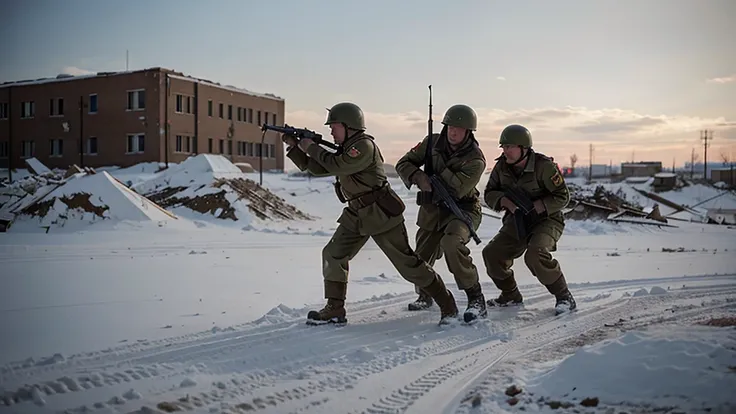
[460, 169]
[373, 210]
[539, 179]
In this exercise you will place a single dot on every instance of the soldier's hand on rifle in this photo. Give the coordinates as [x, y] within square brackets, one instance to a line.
[304, 143]
[421, 179]
[539, 207]
[508, 205]
[289, 140]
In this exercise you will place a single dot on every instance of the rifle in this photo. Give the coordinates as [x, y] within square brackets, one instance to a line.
[526, 216]
[438, 187]
[299, 133]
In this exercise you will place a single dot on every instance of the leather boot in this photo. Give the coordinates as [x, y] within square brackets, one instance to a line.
[565, 302]
[444, 299]
[476, 304]
[510, 294]
[334, 310]
[424, 301]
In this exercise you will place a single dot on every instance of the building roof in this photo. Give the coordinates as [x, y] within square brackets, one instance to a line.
[63, 77]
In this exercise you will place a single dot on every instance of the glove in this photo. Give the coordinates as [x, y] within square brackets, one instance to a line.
[421, 179]
[289, 140]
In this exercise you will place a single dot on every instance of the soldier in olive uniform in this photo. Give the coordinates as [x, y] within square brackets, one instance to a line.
[536, 175]
[459, 162]
[373, 210]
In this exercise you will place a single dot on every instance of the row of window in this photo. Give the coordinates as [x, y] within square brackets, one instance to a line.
[185, 105]
[188, 144]
[136, 145]
[136, 102]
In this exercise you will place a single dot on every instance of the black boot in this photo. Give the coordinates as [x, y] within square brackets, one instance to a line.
[565, 301]
[424, 301]
[476, 304]
[444, 299]
[334, 310]
[510, 295]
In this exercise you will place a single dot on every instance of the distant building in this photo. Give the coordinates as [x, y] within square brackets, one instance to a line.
[664, 181]
[138, 116]
[725, 175]
[640, 169]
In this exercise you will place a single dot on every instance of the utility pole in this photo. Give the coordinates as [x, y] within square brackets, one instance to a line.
[590, 167]
[81, 130]
[704, 136]
[693, 157]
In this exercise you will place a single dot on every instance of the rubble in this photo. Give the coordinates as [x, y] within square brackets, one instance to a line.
[211, 184]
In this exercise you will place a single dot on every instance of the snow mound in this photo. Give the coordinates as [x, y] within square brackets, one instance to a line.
[84, 200]
[691, 368]
[212, 186]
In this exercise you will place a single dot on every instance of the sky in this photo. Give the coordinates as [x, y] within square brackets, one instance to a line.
[637, 80]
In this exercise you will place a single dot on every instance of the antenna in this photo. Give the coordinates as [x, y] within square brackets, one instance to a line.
[126, 60]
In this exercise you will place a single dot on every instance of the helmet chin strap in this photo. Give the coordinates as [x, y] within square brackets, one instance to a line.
[524, 154]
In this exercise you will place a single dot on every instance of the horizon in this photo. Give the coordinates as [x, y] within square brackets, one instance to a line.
[632, 86]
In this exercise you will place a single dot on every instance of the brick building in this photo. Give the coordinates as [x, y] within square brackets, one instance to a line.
[124, 118]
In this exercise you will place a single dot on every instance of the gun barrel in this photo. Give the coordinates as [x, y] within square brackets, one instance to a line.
[450, 203]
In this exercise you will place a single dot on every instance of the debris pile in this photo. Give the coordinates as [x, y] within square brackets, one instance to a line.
[83, 199]
[603, 204]
[211, 185]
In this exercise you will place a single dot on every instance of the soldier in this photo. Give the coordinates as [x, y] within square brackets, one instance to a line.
[537, 176]
[459, 162]
[373, 210]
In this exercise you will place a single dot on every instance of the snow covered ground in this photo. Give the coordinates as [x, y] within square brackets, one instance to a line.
[201, 314]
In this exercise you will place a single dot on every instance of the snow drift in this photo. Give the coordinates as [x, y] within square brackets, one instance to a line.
[211, 185]
[85, 200]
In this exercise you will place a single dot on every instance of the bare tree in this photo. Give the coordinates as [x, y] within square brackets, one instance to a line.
[573, 161]
[728, 162]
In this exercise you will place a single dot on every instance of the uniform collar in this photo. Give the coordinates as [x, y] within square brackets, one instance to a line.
[531, 161]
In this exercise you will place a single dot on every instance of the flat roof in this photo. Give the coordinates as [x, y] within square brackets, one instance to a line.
[172, 74]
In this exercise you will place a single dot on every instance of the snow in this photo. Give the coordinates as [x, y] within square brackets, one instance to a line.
[100, 198]
[690, 368]
[207, 315]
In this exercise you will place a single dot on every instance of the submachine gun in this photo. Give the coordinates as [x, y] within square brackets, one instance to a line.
[438, 186]
[299, 133]
[525, 216]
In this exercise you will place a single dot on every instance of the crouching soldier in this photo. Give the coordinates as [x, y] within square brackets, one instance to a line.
[459, 162]
[524, 181]
[373, 210]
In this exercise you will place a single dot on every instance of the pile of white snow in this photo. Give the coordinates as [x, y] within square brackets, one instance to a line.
[691, 368]
[84, 200]
[209, 186]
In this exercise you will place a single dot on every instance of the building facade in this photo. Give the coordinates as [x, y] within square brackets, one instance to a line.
[641, 169]
[125, 118]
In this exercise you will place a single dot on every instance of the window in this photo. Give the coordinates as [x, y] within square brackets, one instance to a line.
[93, 103]
[184, 104]
[179, 144]
[230, 112]
[229, 147]
[137, 100]
[250, 115]
[194, 145]
[4, 110]
[209, 107]
[56, 107]
[179, 103]
[92, 146]
[4, 149]
[274, 119]
[272, 150]
[136, 143]
[222, 110]
[27, 149]
[27, 109]
[209, 145]
[188, 145]
[222, 146]
[265, 117]
[240, 114]
[259, 118]
[56, 147]
[249, 149]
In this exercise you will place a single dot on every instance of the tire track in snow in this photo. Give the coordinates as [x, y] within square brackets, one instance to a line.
[267, 368]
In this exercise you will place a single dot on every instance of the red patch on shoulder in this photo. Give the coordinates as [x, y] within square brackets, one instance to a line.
[353, 152]
[416, 147]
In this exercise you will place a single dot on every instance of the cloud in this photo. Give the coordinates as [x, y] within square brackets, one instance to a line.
[727, 79]
[614, 132]
[73, 70]
[501, 78]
